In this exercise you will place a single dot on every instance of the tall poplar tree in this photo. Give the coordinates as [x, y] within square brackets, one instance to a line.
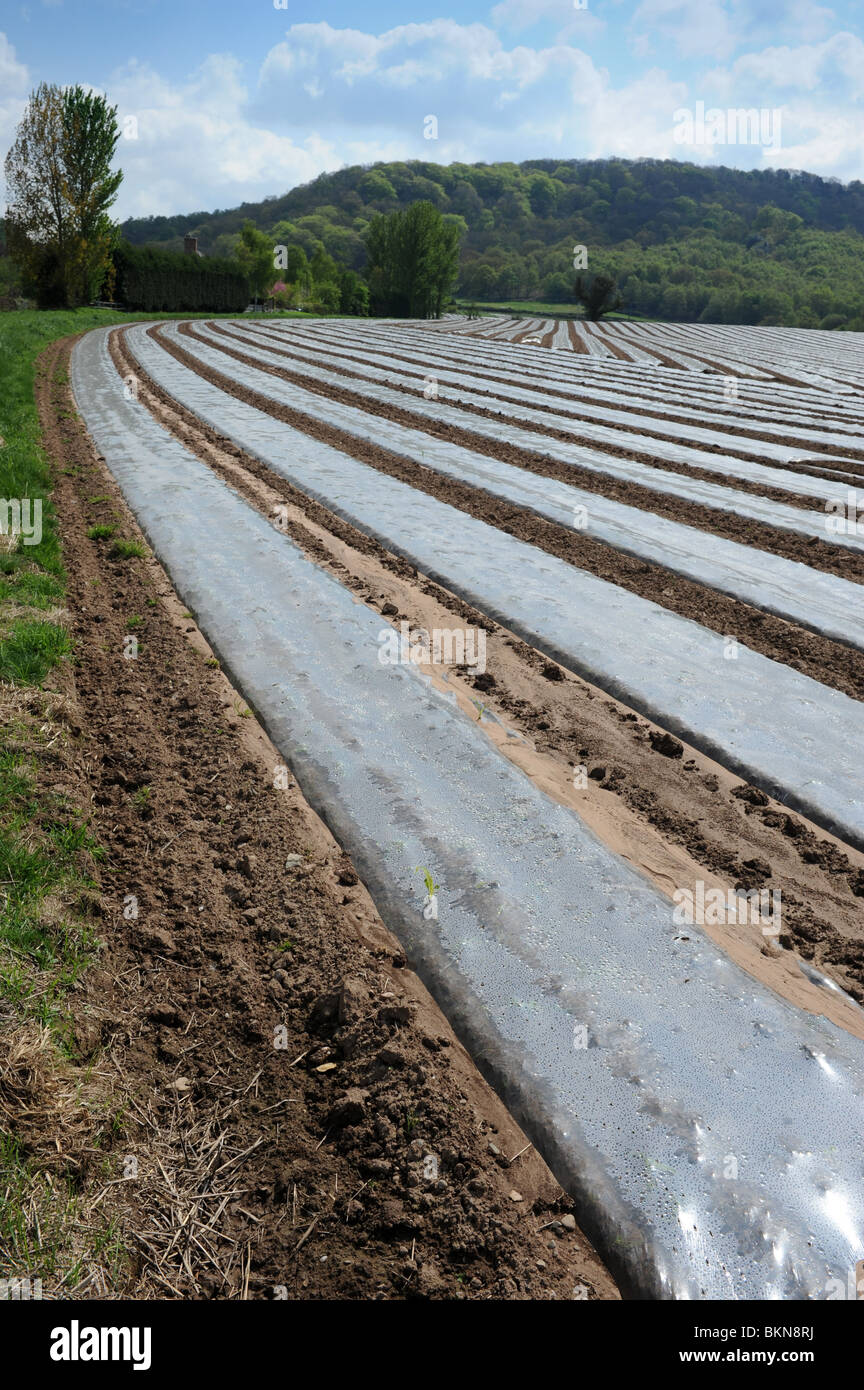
[60, 187]
[413, 261]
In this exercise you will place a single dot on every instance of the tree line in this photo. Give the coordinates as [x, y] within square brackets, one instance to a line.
[682, 241]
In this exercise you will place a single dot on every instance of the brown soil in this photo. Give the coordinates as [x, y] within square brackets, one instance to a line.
[673, 813]
[609, 342]
[576, 340]
[285, 1074]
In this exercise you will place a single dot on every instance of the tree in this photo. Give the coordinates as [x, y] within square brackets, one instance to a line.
[323, 267]
[255, 254]
[92, 133]
[375, 187]
[557, 288]
[60, 187]
[413, 261]
[353, 293]
[673, 302]
[598, 293]
[775, 225]
[325, 298]
[294, 267]
[151, 279]
[543, 195]
[478, 280]
[296, 264]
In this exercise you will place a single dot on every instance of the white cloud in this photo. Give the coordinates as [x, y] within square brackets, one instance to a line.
[696, 28]
[812, 140]
[577, 25]
[719, 28]
[636, 121]
[386, 85]
[762, 21]
[15, 85]
[196, 147]
[835, 66]
[491, 102]
[819, 88]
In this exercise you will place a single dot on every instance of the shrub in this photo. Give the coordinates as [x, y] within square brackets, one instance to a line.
[147, 279]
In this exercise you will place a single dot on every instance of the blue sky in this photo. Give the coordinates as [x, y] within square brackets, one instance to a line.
[226, 102]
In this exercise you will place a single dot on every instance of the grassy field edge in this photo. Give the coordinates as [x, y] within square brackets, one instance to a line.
[49, 901]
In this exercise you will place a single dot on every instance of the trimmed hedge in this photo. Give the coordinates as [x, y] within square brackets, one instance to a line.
[148, 279]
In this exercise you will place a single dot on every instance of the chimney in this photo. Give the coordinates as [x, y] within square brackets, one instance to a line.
[190, 245]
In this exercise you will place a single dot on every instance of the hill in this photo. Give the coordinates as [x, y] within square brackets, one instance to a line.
[684, 241]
